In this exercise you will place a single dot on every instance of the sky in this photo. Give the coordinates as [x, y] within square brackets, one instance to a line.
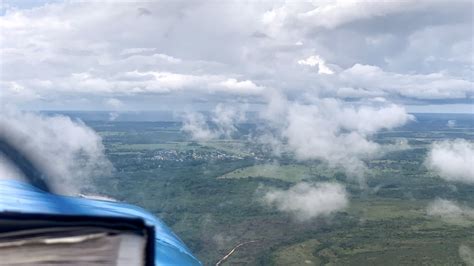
[196, 55]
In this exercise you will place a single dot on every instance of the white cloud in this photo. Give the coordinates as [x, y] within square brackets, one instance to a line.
[132, 51]
[315, 60]
[452, 160]
[130, 84]
[168, 58]
[196, 125]
[70, 153]
[113, 116]
[313, 133]
[306, 201]
[329, 130]
[114, 103]
[450, 211]
[224, 120]
[15, 92]
[243, 86]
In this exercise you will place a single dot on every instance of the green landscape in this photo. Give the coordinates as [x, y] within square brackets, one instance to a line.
[210, 193]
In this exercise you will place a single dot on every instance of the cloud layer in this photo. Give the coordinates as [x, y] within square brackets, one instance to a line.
[452, 160]
[306, 201]
[78, 54]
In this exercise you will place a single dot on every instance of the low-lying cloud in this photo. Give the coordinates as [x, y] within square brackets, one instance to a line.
[306, 201]
[450, 210]
[451, 123]
[195, 124]
[68, 152]
[452, 160]
[332, 131]
[223, 118]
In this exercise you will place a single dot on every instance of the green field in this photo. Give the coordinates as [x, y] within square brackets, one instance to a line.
[289, 173]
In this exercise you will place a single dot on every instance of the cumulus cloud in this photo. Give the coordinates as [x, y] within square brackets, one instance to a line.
[196, 125]
[452, 160]
[233, 85]
[68, 152]
[329, 130]
[450, 211]
[325, 129]
[226, 118]
[306, 201]
[223, 122]
[316, 61]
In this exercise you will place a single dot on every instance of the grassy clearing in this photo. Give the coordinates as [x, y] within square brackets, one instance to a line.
[298, 254]
[291, 173]
[236, 147]
[380, 209]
